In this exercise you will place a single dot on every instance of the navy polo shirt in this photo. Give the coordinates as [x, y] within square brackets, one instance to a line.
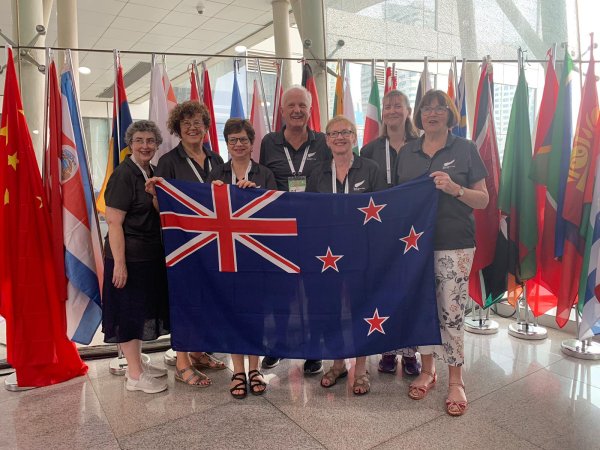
[259, 174]
[173, 164]
[364, 176]
[375, 151]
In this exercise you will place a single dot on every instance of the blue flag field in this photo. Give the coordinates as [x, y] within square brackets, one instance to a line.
[299, 275]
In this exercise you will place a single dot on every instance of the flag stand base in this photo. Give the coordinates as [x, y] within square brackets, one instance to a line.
[581, 349]
[527, 331]
[11, 384]
[481, 325]
[170, 357]
[118, 365]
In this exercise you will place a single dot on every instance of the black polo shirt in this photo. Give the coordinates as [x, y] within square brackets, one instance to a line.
[459, 158]
[125, 191]
[375, 151]
[174, 164]
[364, 176]
[273, 156]
[258, 174]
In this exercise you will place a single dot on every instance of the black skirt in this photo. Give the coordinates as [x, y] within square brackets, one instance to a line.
[140, 310]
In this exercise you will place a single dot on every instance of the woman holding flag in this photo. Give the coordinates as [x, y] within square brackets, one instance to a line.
[459, 174]
[243, 172]
[397, 129]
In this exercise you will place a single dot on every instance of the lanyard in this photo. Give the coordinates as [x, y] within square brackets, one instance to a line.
[234, 178]
[189, 160]
[140, 167]
[289, 160]
[334, 177]
[388, 168]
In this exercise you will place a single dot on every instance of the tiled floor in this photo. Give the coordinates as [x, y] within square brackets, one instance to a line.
[523, 394]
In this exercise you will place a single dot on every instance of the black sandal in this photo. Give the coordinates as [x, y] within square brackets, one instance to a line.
[255, 384]
[241, 386]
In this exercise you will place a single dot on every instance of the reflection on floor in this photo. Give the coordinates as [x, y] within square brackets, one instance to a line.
[523, 395]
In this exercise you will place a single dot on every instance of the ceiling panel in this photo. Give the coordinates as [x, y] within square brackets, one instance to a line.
[238, 14]
[172, 30]
[153, 14]
[129, 24]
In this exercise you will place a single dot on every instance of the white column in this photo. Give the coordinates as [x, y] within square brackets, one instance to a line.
[67, 28]
[281, 34]
[309, 17]
[30, 13]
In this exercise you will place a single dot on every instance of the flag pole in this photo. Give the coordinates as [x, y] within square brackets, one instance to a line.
[198, 80]
[117, 102]
[262, 92]
[277, 89]
[152, 64]
[49, 56]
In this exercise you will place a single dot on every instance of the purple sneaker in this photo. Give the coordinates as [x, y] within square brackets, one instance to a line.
[411, 365]
[388, 364]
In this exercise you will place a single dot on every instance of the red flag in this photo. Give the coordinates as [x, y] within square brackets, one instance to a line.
[52, 173]
[194, 94]
[451, 93]
[257, 119]
[391, 81]
[308, 82]
[540, 298]
[207, 99]
[487, 221]
[578, 193]
[277, 117]
[37, 344]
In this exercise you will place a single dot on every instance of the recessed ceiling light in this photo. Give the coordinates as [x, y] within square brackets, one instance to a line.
[85, 70]
[240, 49]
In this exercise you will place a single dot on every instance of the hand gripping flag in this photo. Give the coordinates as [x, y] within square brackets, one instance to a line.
[37, 344]
[300, 275]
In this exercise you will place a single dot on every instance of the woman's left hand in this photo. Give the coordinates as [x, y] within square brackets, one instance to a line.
[243, 184]
[444, 183]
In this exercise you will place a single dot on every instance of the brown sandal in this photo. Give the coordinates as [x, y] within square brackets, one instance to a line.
[361, 381]
[195, 378]
[206, 361]
[332, 375]
[455, 408]
[420, 392]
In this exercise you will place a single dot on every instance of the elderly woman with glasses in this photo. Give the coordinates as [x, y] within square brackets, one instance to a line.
[135, 305]
[243, 172]
[457, 171]
[189, 161]
[345, 173]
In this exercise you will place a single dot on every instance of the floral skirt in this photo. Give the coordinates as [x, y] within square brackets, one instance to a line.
[452, 268]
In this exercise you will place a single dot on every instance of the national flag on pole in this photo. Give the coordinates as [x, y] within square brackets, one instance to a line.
[37, 344]
[324, 292]
[194, 93]
[237, 106]
[213, 138]
[82, 240]
[308, 81]
[451, 82]
[257, 119]
[391, 81]
[424, 83]
[277, 123]
[461, 104]
[543, 288]
[162, 101]
[578, 193]
[117, 147]
[52, 174]
[338, 98]
[373, 116]
[487, 281]
[517, 196]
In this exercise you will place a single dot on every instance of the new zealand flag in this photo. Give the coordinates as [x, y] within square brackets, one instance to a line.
[300, 275]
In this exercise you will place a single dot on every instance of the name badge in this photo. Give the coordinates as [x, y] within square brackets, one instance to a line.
[297, 184]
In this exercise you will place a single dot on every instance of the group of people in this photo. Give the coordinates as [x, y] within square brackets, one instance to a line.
[295, 159]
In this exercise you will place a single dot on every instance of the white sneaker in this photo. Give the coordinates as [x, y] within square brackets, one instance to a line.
[146, 384]
[153, 371]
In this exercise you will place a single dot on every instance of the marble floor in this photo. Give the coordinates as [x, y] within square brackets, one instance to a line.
[523, 395]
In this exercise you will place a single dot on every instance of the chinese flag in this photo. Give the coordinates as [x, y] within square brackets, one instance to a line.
[37, 344]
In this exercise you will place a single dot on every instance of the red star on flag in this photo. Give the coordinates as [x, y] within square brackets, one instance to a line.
[372, 211]
[375, 322]
[410, 241]
[329, 260]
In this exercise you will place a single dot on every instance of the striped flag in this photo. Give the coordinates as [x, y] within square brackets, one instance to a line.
[424, 84]
[461, 105]
[162, 101]
[257, 119]
[83, 248]
[117, 147]
[373, 117]
[308, 81]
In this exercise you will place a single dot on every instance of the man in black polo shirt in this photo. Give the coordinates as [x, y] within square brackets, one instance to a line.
[292, 154]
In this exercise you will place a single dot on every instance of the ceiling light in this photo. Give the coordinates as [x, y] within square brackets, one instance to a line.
[240, 49]
[85, 70]
[35, 132]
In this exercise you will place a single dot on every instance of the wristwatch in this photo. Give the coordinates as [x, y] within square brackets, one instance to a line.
[461, 192]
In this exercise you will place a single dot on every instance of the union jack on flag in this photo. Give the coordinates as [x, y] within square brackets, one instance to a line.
[299, 275]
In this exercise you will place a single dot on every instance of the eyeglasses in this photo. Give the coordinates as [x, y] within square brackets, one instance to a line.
[234, 140]
[427, 110]
[343, 133]
[187, 124]
[141, 141]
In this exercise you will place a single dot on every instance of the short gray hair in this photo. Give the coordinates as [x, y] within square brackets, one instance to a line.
[142, 126]
[297, 87]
